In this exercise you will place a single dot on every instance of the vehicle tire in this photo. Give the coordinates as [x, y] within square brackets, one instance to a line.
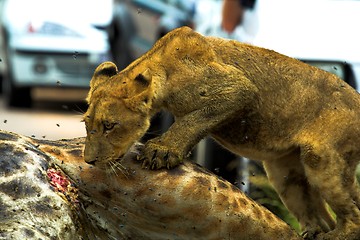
[121, 30]
[350, 77]
[119, 47]
[16, 96]
[13, 96]
[1, 83]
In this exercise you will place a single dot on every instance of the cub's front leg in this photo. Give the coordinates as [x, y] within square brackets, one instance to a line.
[170, 149]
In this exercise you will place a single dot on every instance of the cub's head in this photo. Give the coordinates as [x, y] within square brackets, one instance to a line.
[118, 113]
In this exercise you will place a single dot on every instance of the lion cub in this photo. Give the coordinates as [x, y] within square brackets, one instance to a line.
[302, 122]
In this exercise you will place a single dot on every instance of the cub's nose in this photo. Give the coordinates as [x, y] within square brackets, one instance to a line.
[91, 161]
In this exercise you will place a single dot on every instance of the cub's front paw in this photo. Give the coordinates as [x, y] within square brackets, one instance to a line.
[155, 156]
[311, 233]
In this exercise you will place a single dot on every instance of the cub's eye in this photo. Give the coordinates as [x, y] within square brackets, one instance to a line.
[109, 125]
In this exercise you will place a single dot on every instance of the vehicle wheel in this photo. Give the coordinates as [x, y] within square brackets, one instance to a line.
[119, 48]
[121, 31]
[1, 83]
[16, 96]
[350, 77]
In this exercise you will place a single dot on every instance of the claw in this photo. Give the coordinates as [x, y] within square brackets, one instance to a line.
[154, 155]
[145, 163]
[166, 156]
[153, 165]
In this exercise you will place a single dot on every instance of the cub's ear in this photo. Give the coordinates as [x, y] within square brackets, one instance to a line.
[141, 100]
[102, 73]
[141, 82]
[143, 79]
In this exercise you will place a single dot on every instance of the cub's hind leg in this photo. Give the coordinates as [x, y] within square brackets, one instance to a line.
[350, 182]
[330, 173]
[288, 178]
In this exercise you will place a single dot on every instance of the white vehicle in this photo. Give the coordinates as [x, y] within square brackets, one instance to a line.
[50, 43]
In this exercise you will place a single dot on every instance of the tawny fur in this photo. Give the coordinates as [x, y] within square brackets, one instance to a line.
[302, 122]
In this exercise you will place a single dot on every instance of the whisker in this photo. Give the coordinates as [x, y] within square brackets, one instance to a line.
[116, 166]
[113, 168]
[79, 110]
[121, 168]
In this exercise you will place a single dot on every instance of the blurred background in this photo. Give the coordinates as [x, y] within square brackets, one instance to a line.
[50, 48]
